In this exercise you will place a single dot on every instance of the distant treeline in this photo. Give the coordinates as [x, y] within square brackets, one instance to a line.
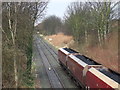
[50, 25]
[18, 19]
[87, 22]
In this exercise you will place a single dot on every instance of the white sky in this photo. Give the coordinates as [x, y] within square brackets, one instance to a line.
[58, 8]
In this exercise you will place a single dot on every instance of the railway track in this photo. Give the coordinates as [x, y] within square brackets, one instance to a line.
[51, 50]
[53, 77]
[57, 77]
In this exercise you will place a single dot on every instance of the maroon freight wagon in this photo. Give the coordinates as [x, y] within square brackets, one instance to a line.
[63, 55]
[100, 80]
[86, 72]
[78, 65]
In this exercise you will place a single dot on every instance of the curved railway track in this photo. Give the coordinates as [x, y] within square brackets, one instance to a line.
[54, 79]
[56, 75]
[51, 50]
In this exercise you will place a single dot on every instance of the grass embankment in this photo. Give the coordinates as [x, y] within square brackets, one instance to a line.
[108, 55]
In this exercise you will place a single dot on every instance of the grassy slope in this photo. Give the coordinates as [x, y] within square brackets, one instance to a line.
[107, 56]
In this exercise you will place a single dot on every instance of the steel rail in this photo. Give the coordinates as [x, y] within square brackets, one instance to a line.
[54, 79]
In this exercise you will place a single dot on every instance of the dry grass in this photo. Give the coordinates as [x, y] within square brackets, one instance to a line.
[59, 40]
[107, 56]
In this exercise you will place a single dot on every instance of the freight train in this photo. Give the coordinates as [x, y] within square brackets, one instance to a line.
[86, 72]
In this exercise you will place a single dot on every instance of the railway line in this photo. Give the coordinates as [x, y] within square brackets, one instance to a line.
[51, 50]
[53, 77]
[56, 75]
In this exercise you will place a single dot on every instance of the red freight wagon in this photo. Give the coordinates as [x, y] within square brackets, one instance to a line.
[78, 67]
[97, 79]
[63, 55]
[87, 72]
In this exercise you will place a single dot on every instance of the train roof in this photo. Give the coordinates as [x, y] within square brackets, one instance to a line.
[70, 50]
[67, 50]
[111, 74]
[78, 60]
[87, 60]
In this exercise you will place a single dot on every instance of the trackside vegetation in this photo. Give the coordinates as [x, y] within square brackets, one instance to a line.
[18, 19]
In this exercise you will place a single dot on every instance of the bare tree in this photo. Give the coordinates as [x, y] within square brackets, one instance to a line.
[84, 18]
[19, 19]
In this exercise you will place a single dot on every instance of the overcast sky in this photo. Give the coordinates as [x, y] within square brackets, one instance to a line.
[57, 7]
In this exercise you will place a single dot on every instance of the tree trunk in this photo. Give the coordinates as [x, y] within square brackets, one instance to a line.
[86, 37]
[99, 38]
[13, 34]
[15, 61]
